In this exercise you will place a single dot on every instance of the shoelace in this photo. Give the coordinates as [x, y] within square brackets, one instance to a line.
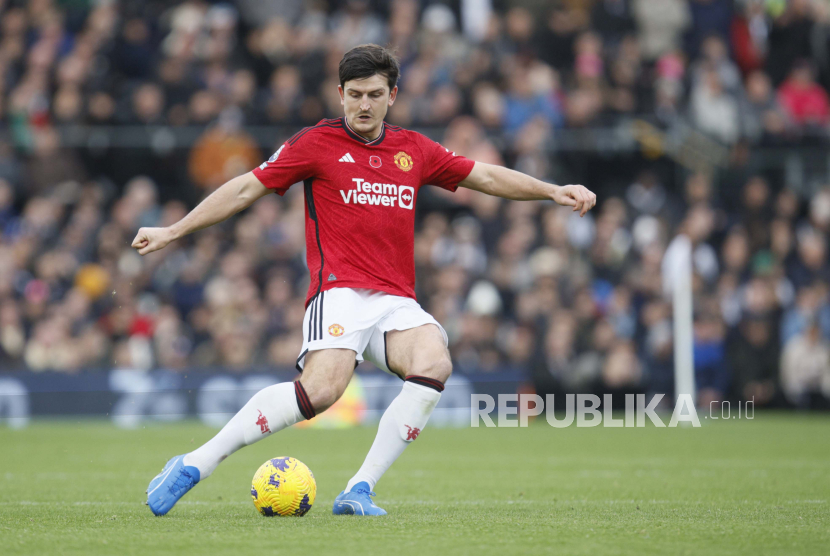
[364, 491]
[183, 482]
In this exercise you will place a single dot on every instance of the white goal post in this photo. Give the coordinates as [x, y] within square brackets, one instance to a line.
[677, 286]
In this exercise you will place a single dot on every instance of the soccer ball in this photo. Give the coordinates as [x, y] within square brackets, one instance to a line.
[283, 486]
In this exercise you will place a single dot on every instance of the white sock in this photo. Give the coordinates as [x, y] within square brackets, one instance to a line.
[406, 416]
[268, 411]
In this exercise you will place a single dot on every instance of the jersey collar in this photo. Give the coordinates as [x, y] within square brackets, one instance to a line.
[351, 133]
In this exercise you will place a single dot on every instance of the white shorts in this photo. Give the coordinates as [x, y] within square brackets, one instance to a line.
[358, 319]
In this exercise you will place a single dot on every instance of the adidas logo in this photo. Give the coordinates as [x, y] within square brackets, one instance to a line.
[347, 158]
[332, 277]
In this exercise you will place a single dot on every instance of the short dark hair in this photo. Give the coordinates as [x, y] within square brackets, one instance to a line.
[367, 60]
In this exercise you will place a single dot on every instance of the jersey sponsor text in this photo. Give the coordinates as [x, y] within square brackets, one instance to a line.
[381, 194]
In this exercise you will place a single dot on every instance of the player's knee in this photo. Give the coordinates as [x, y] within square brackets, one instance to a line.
[444, 370]
[322, 396]
[439, 368]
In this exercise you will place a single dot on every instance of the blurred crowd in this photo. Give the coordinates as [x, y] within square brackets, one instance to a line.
[577, 303]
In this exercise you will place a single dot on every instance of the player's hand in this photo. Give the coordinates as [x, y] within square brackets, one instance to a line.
[152, 239]
[576, 196]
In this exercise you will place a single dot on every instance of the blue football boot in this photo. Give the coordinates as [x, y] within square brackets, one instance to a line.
[171, 484]
[357, 502]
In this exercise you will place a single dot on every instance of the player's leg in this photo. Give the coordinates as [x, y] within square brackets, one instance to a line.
[325, 376]
[419, 356]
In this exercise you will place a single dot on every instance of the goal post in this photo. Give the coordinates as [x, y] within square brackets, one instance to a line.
[677, 286]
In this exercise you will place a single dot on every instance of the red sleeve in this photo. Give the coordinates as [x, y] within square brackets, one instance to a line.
[292, 163]
[443, 167]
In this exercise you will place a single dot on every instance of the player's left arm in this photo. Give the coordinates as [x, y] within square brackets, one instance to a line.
[510, 184]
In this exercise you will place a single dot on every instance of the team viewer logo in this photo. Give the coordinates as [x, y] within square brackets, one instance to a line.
[383, 194]
[403, 161]
[406, 196]
[335, 330]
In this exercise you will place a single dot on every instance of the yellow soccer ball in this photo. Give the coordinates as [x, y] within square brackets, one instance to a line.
[283, 486]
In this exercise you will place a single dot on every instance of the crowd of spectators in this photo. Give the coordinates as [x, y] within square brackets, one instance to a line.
[576, 303]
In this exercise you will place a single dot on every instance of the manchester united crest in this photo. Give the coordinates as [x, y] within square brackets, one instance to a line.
[403, 161]
[335, 330]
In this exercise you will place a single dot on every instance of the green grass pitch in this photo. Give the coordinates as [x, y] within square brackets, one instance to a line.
[757, 486]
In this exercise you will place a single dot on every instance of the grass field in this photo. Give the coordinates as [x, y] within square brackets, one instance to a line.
[736, 487]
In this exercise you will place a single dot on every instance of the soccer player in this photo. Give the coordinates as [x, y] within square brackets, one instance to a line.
[361, 178]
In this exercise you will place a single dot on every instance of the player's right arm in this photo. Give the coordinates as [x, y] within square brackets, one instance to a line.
[293, 162]
[234, 196]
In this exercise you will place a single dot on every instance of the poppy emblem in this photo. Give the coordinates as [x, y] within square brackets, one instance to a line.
[374, 161]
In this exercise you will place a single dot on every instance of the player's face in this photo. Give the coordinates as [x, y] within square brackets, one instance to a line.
[365, 102]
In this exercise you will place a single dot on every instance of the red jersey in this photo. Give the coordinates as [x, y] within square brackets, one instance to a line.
[360, 199]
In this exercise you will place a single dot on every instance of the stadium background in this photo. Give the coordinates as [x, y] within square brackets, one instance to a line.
[704, 117]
